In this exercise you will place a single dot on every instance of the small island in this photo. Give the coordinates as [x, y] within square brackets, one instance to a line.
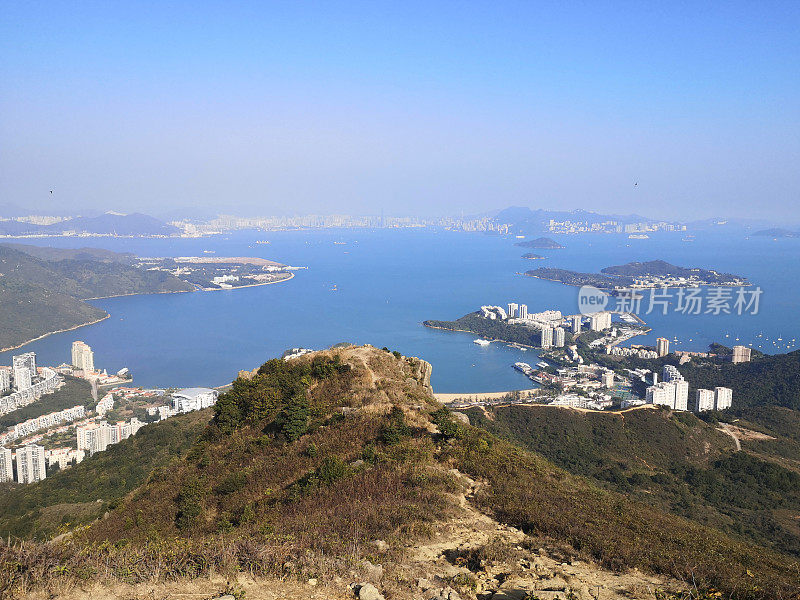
[532, 256]
[777, 232]
[541, 243]
[642, 275]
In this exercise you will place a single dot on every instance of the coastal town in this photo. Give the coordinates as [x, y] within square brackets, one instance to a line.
[112, 411]
[567, 376]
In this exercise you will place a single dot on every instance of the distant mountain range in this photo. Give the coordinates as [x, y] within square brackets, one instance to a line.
[135, 224]
[524, 220]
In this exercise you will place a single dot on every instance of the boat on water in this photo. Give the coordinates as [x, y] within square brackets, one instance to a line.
[209, 251]
[262, 242]
[481, 342]
[638, 236]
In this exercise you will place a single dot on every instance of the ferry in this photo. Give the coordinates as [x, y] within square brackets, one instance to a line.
[209, 251]
[638, 236]
[481, 342]
[523, 368]
[262, 242]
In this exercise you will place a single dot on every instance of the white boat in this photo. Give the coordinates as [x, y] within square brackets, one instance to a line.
[481, 342]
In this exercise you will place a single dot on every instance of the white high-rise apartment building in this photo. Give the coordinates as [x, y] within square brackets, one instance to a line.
[662, 346]
[82, 357]
[681, 389]
[93, 437]
[607, 379]
[661, 394]
[27, 360]
[704, 400]
[547, 337]
[5, 380]
[576, 325]
[723, 398]
[513, 309]
[670, 373]
[740, 354]
[523, 311]
[23, 378]
[600, 321]
[30, 464]
[559, 337]
[6, 466]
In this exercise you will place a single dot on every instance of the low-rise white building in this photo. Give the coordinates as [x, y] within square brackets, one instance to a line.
[190, 399]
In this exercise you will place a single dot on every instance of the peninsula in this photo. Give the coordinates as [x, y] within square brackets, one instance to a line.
[44, 290]
[641, 275]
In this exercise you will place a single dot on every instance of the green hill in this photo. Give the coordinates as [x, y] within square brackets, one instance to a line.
[82, 493]
[39, 295]
[308, 463]
[767, 380]
[673, 461]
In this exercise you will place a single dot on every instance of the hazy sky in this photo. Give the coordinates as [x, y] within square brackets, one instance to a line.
[415, 107]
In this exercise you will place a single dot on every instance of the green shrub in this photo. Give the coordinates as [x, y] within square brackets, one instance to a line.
[189, 503]
[395, 429]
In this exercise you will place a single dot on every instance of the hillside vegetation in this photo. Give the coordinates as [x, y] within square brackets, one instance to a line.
[309, 463]
[493, 329]
[670, 460]
[82, 493]
[42, 295]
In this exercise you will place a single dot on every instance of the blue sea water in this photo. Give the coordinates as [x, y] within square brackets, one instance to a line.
[377, 286]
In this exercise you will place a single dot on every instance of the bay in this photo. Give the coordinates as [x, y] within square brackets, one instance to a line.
[377, 286]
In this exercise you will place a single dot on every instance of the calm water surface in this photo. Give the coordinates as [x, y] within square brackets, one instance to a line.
[378, 286]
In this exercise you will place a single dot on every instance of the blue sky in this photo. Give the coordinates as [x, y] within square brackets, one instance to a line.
[413, 107]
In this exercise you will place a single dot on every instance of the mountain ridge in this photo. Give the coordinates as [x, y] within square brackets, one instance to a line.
[319, 466]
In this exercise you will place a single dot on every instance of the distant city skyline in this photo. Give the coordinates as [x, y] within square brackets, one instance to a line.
[676, 112]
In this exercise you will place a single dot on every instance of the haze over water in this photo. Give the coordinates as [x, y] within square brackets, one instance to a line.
[386, 283]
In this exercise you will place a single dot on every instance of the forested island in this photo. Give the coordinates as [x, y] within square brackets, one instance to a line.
[542, 243]
[650, 274]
